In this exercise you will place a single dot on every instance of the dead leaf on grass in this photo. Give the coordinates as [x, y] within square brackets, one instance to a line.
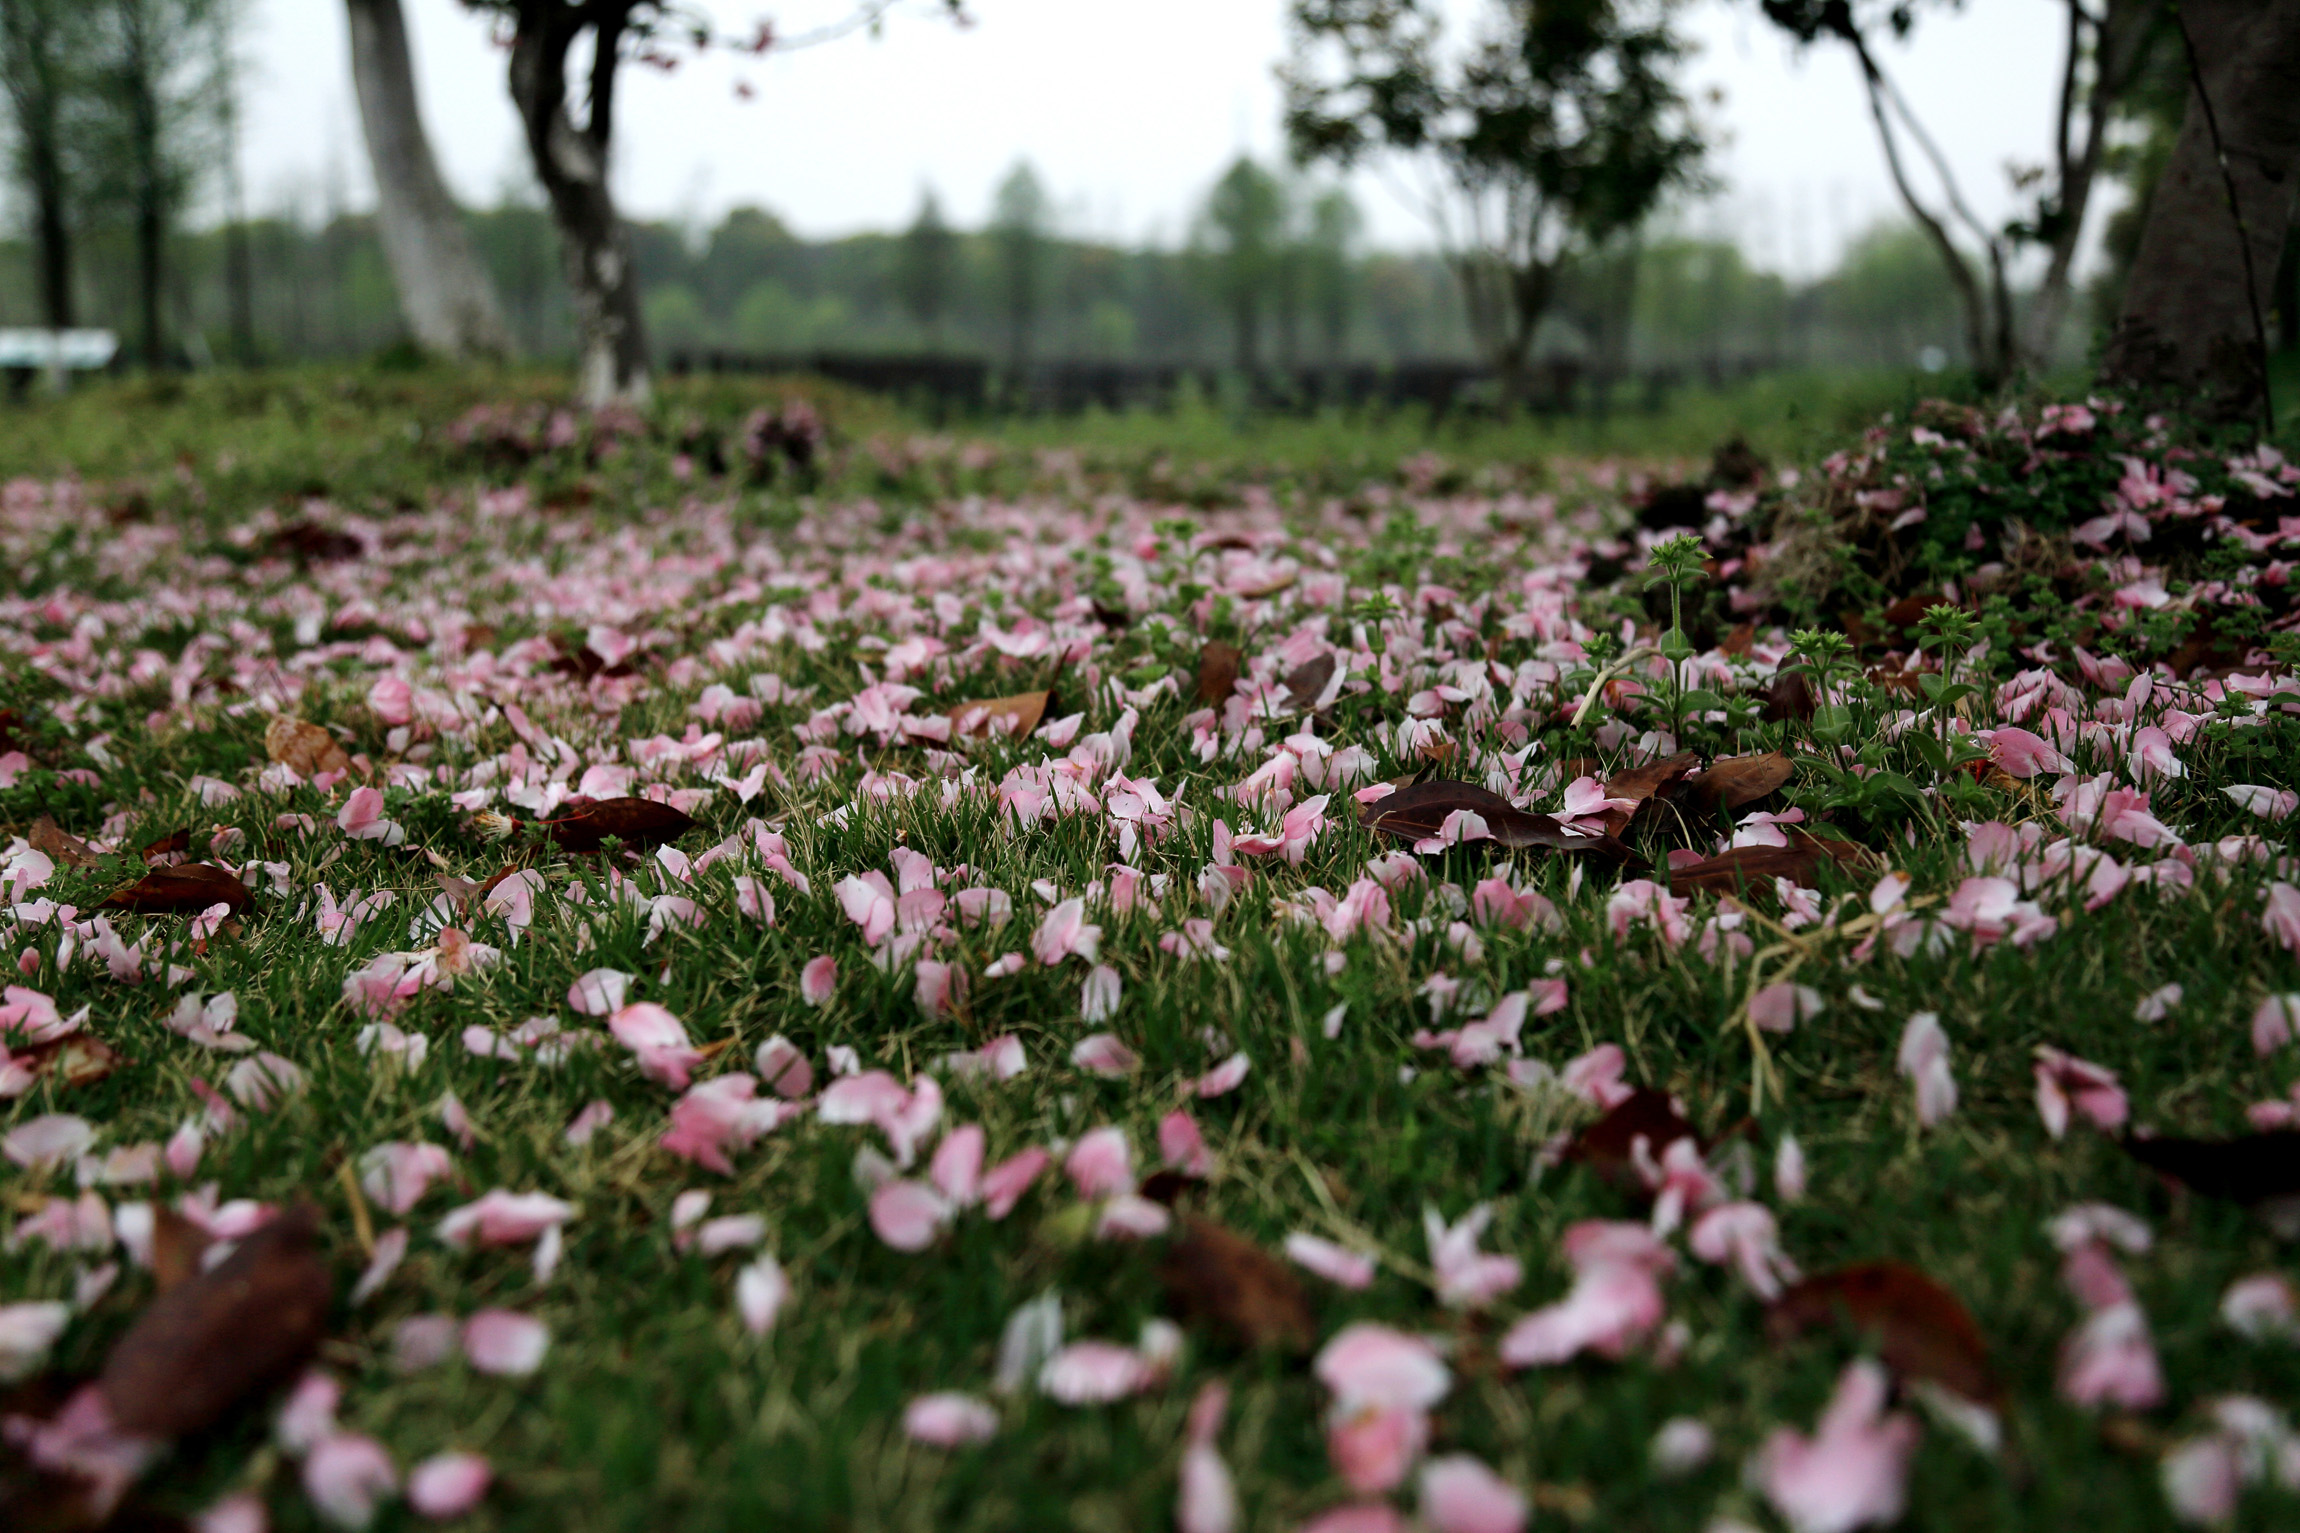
[47, 837]
[304, 748]
[1921, 1329]
[1642, 785]
[633, 821]
[2260, 1171]
[169, 849]
[1419, 811]
[193, 887]
[1012, 718]
[1790, 697]
[1747, 870]
[1609, 1145]
[177, 1246]
[1306, 683]
[1734, 782]
[1229, 1282]
[1218, 665]
[76, 1059]
[215, 1338]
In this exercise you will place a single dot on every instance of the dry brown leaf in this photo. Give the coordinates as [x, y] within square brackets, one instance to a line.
[1747, 870]
[1789, 697]
[2253, 1169]
[193, 887]
[1734, 782]
[208, 1343]
[177, 1246]
[486, 886]
[309, 542]
[1642, 784]
[170, 848]
[1218, 665]
[1608, 1146]
[1921, 1330]
[1306, 683]
[1419, 811]
[48, 837]
[304, 748]
[76, 1059]
[1283, 580]
[1220, 1277]
[1011, 718]
[633, 821]
[1836, 848]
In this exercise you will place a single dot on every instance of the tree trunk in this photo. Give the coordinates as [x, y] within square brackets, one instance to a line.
[32, 33]
[2195, 307]
[572, 164]
[52, 234]
[444, 292]
[1505, 305]
[2120, 43]
[148, 180]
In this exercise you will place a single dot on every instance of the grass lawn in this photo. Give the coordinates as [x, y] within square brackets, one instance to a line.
[2015, 822]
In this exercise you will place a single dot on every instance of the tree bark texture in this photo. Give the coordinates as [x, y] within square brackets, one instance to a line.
[445, 294]
[2193, 312]
[572, 164]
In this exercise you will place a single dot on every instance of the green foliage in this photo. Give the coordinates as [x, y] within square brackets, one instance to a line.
[1560, 128]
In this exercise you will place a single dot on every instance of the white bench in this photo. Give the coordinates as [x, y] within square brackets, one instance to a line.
[54, 352]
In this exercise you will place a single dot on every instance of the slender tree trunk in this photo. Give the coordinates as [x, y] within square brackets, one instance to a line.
[445, 294]
[2119, 44]
[148, 180]
[1505, 305]
[2195, 308]
[52, 235]
[572, 164]
[239, 265]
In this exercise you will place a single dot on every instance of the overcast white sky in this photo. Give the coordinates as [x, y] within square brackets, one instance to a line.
[1129, 109]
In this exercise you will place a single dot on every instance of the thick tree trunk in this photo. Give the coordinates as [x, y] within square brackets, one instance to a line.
[2199, 292]
[444, 292]
[571, 163]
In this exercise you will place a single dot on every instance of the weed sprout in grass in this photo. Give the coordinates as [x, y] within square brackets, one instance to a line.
[1676, 564]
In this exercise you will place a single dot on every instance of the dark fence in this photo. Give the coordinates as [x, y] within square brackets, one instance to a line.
[952, 385]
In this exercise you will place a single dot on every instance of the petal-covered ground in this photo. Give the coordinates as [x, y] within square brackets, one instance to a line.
[1054, 1008]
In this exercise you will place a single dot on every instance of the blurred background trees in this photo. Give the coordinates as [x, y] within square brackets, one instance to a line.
[1554, 147]
[1540, 146]
[447, 297]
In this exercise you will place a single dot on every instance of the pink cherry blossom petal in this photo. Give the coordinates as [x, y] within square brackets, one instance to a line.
[447, 1485]
[505, 1342]
[347, 1478]
[949, 1420]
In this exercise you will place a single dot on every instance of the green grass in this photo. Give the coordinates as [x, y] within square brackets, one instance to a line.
[656, 1410]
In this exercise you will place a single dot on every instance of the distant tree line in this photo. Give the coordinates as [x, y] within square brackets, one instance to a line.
[1555, 152]
[1274, 274]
